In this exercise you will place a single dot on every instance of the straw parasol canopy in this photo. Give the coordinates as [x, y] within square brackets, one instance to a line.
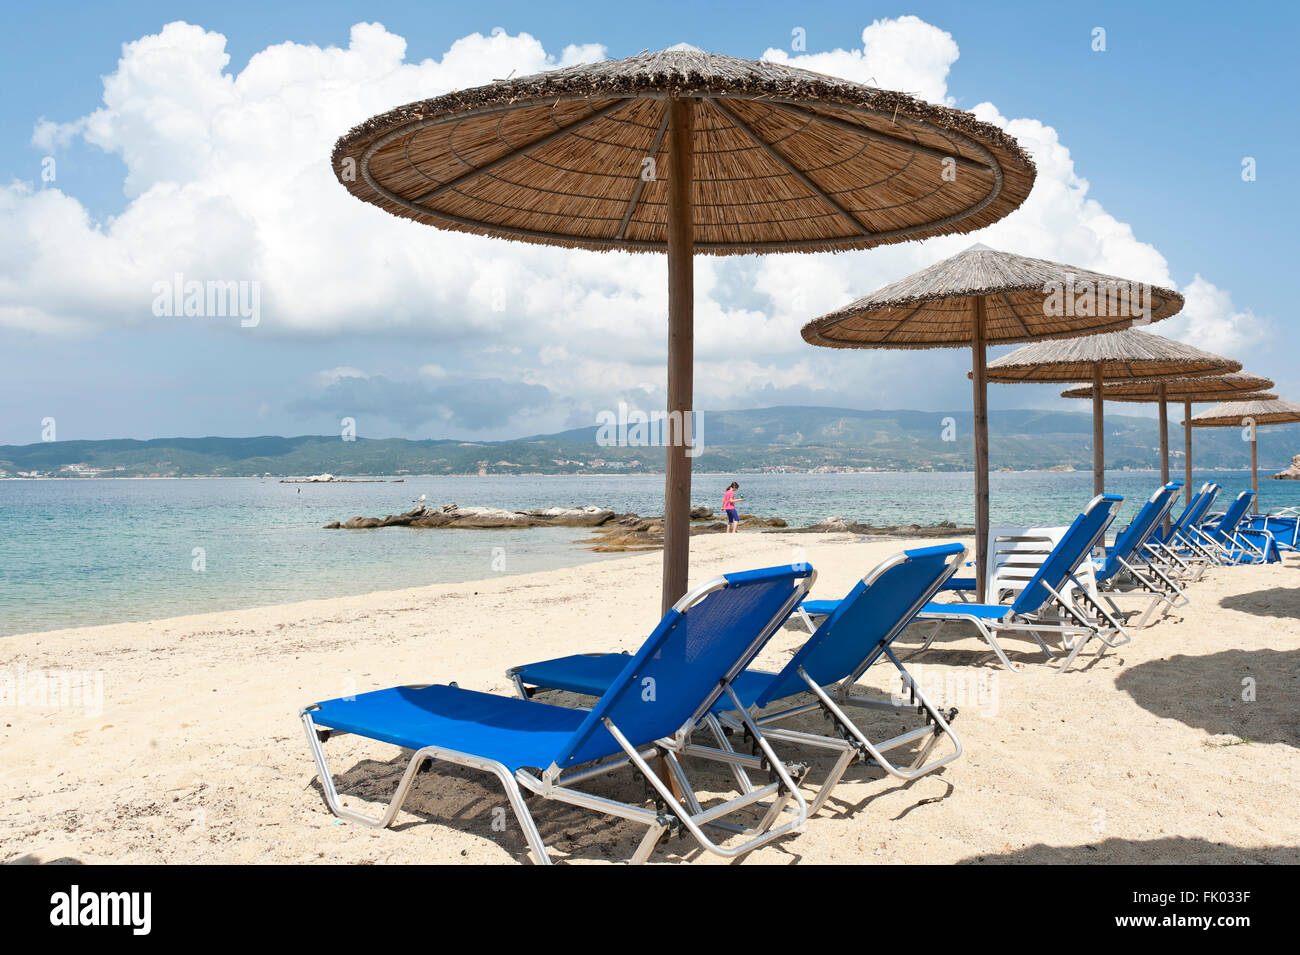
[983, 297]
[1249, 414]
[1203, 388]
[683, 151]
[1124, 356]
[935, 307]
[1236, 386]
[1234, 413]
[783, 159]
[1129, 355]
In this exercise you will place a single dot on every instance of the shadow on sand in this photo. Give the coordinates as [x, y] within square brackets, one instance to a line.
[1174, 850]
[1248, 694]
[1273, 602]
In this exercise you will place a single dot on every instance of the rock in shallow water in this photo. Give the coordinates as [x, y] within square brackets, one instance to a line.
[483, 518]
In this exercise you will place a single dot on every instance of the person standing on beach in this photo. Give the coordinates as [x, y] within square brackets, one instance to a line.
[729, 500]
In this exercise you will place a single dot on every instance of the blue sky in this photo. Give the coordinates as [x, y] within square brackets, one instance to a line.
[1157, 125]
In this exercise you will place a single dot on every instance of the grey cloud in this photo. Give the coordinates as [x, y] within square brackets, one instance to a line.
[474, 404]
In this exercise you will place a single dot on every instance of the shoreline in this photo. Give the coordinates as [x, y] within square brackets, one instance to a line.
[903, 540]
[531, 475]
[315, 604]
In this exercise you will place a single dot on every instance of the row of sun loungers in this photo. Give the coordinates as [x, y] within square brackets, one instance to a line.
[1075, 586]
[691, 698]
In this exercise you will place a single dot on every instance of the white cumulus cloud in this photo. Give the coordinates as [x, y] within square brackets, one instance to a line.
[227, 178]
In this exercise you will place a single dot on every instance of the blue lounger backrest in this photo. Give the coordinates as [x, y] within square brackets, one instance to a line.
[1223, 529]
[1075, 544]
[1181, 521]
[876, 610]
[709, 636]
[1211, 492]
[1140, 529]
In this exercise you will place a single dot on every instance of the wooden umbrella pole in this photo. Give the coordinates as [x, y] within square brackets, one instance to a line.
[981, 426]
[1187, 451]
[1254, 468]
[1164, 448]
[1098, 434]
[681, 348]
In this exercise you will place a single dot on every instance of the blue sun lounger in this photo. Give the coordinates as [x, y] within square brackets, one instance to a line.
[1052, 602]
[856, 632]
[1231, 544]
[1129, 567]
[1282, 525]
[649, 709]
[1183, 540]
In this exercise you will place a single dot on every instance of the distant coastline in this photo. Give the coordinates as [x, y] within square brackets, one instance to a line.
[364, 478]
[782, 440]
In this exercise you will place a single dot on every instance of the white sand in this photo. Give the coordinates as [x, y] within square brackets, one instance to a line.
[1149, 755]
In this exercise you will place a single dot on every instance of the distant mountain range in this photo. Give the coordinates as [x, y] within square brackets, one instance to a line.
[789, 438]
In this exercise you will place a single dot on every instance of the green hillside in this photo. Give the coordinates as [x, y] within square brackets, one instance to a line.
[798, 438]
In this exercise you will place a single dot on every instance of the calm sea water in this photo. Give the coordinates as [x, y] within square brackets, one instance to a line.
[78, 552]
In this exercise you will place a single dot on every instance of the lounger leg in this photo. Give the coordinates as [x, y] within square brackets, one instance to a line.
[983, 631]
[332, 795]
[648, 843]
[1065, 664]
[784, 791]
[523, 691]
[513, 793]
[1156, 600]
[993, 643]
[877, 754]
[929, 637]
[1084, 638]
[1144, 615]
[742, 778]
[526, 823]
[1042, 644]
[832, 780]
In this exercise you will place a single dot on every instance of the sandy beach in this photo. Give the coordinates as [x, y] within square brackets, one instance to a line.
[196, 754]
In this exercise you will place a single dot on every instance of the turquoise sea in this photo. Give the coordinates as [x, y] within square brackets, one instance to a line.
[79, 552]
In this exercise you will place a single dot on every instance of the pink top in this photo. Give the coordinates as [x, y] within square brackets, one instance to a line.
[728, 499]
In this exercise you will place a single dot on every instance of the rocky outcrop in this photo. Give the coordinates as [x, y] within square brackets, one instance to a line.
[626, 532]
[1290, 474]
[632, 532]
[839, 525]
[481, 518]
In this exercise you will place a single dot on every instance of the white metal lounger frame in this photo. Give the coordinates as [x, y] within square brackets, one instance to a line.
[852, 743]
[1196, 548]
[779, 796]
[1289, 513]
[1231, 553]
[1182, 568]
[1076, 616]
[1237, 545]
[1186, 566]
[1149, 581]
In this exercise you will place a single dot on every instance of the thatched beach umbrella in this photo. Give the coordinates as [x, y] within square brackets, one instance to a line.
[683, 151]
[1125, 356]
[1252, 415]
[1237, 386]
[983, 297]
